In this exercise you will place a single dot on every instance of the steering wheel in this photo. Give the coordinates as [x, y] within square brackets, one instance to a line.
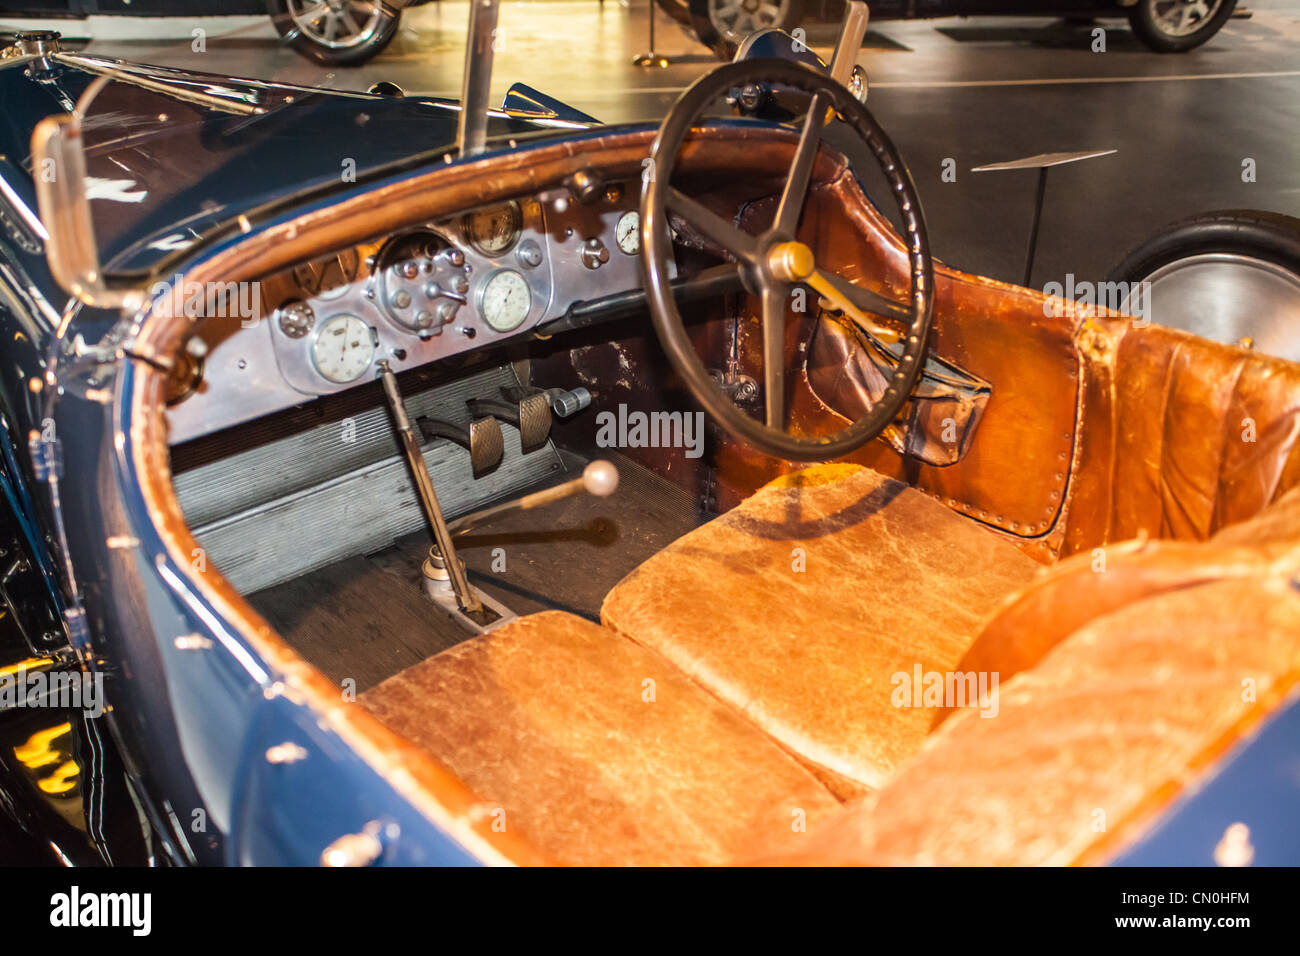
[771, 264]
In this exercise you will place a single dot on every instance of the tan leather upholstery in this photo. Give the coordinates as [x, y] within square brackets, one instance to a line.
[801, 605]
[1180, 436]
[1086, 586]
[597, 750]
[1107, 727]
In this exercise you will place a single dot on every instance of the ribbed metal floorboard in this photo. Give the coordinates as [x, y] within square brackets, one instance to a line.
[274, 512]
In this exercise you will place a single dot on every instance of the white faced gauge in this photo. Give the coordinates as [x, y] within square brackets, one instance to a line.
[343, 349]
[628, 232]
[505, 301]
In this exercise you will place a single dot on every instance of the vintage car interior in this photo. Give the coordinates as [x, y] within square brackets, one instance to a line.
[638, 642]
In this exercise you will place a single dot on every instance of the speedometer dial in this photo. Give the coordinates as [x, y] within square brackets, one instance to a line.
[505, 301]
[343, 349]
[495, 230]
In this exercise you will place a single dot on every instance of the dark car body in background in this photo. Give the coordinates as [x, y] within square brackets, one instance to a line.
[722, 24]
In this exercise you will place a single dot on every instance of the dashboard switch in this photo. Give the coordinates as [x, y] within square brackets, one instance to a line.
[594, 254]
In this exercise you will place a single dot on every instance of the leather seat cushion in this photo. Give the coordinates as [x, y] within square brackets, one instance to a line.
[597, 750]
[799, 607]
[1108, 727]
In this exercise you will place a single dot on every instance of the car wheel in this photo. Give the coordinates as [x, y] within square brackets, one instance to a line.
[737, 19]
[1227, 276]
[335, 32]
[1173, 26]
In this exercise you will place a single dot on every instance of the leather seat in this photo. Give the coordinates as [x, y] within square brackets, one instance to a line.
[808, 605]
[597, 751]
[1108, 728]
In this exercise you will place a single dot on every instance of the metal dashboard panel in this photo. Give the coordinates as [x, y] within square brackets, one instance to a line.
[254, 367]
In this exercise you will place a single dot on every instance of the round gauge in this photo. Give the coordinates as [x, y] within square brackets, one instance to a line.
[343, 349]
[329, 278]
[494, 230]
[505, 300]
[628, 232]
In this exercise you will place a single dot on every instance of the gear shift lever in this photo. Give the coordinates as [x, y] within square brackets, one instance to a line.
[465, 597]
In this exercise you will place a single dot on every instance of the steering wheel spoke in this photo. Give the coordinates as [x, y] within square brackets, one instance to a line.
[732, 238]
[786, 221]
[774, 300]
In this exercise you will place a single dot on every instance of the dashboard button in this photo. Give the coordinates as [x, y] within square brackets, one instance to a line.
[530, 253]
[594, 254]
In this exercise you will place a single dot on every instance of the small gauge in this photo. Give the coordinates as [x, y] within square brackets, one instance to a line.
[329, 278]
[343, 349]
[505, 300]
[495, 230]
[628, 232]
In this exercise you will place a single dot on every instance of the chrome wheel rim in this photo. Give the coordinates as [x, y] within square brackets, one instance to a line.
[1180, 18]
[336, 24]
[1228, 298]
[737, 19]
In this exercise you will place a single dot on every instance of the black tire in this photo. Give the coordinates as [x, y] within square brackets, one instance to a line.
[1250, 232]
[1146, 23]
[1267, 237]
[354, 54]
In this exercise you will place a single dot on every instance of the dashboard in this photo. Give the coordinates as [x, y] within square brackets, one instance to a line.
[447, 287]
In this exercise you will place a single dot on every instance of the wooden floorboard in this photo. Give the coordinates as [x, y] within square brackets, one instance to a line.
[366, 618]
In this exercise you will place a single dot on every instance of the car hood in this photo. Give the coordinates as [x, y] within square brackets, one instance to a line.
[172, 154]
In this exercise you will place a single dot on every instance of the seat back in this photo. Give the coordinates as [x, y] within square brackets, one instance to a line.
[1178, 436]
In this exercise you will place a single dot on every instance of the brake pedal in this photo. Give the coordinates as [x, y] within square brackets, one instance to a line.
[531, 415]
[483, 439]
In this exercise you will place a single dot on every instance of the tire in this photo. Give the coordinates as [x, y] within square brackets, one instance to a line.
[1226, 276]
[368, 32]
[1154, 22]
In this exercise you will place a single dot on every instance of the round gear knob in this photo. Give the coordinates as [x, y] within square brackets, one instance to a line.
[600, 478]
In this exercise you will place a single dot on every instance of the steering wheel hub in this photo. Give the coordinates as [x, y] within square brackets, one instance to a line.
[790, 261]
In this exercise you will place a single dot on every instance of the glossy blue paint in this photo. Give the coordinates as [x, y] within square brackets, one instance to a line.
[1257, 784]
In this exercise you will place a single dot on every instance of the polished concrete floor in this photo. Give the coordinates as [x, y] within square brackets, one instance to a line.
[975, 91]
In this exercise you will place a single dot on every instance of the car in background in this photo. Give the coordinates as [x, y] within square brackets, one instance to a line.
[1168, 26]
[333, 32]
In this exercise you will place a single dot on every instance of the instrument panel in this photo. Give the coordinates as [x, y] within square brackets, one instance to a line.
[446, 287]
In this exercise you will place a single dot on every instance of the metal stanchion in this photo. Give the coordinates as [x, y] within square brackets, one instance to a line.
[652, 58]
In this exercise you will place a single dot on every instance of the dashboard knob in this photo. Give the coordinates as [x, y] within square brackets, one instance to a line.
[297, 319]
[530, 253]
[594, 254]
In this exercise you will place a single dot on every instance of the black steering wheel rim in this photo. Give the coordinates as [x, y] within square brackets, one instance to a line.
[657, 252]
